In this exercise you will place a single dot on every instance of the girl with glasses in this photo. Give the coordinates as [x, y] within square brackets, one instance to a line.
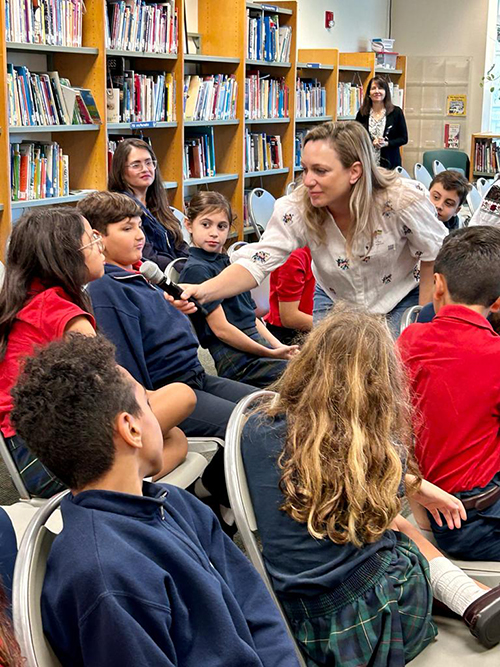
[53, 253]
[134, 172]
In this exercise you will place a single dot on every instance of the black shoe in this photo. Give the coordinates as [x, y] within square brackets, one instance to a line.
[483, 618]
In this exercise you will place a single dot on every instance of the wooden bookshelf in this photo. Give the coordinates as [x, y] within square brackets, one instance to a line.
[475, 173]
[326, 72]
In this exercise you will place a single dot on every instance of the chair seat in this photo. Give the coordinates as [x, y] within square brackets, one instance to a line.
[21, 514]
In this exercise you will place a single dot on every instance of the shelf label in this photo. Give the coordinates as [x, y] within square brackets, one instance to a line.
[144, 123]
[315, 65]
[270, 8]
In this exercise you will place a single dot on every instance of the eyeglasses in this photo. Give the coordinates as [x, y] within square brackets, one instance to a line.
[96, 240]
[137, 166]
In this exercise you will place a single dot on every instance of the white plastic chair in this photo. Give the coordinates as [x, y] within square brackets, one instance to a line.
[483, 185]
[2, 272]
[239, 497]
[409, 316]
[402, 172]
[181, 218]
[290, 187]
[260, 209]
[174, 269]
[474, 199]
[437, 167]
[422, 175]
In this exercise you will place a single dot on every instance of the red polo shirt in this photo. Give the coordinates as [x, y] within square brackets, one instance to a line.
[42, 320]
[454, 369]
[294, 281]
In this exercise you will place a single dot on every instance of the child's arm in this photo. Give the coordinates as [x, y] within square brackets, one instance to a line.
[293, 318]
[230, 335]
[437, 501]
[265, 333]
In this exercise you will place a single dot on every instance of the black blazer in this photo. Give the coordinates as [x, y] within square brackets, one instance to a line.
[395, 132]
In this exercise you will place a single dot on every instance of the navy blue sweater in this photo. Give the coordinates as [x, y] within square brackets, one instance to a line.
[136, 581]
[153, 340]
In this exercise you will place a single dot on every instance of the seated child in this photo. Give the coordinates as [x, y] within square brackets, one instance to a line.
[241, 346]
[291, 297]
[454, 367]
[141, 574]
[53, 253]
[325, 467]
[153, 340]
[448, 191]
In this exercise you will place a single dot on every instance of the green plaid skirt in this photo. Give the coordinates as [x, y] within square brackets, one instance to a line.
[380, 616]
[248, 368]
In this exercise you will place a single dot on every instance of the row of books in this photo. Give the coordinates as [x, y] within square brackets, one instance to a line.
[311, 98]
[210, 97]
[38, 171]
[136, 97]
[47, 99]
[396, 94]
[487, 156]
[262, 151]
[56, 22]
[299, 141]
[199, 154]
[266, 39]
[350, 99]
[265, 97]
[134, 25]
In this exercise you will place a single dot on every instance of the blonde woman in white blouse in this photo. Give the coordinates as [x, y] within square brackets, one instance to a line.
[373, 235]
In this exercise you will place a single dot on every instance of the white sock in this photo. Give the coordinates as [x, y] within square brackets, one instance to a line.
[451, 586]
[200, 491]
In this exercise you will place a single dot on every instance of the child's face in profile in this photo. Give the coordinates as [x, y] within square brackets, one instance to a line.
[209, 230]
[447, 202]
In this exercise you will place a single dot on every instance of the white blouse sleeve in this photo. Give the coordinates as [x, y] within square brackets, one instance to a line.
[284, 234]
[419, 222]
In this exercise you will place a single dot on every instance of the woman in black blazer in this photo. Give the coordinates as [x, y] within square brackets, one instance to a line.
[384, 122]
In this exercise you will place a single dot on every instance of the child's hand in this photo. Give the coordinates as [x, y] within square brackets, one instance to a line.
[438, 502]
[284, 351]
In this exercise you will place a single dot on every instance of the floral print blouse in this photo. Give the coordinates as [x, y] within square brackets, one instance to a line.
[376, 127]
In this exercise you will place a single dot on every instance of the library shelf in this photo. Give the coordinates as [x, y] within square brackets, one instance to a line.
[49, 48]
[142, 54]
[204, 123]
[484, 174]
[220, 178]
[315, 66]
[32, 129]
[247, 229]
[49, 201]
[346, 117]
[170, 185]
[313, 119]
[354, 68]
[200, 58]
[265, 121]
[141, 125]
[1, 207]
[272, 8]
[298, 169]
[267, 172]
[386, 70]
[266, 63]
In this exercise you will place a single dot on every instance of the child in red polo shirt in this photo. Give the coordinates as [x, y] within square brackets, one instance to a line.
[454, 367]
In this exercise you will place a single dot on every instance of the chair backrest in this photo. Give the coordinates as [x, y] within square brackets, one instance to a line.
[29, 574]
[235, 246]
[474, 199]
[260, 209]
[483, 185]
[451, 158]
[422, 175]
[402, 172]
[173, 270]
[2, 272]
[15, 476]
[181, 217]
[290, 187]
[239, 496]
[409, 316]
[437, 167]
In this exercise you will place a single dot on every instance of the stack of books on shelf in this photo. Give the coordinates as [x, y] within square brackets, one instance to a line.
[47, 99]
[350, 99]
[265, 97]
[55, 22]
[311, 98]
[138, 26]
[38, 171]
[299, 139]
[487, 156]
[266, 40]
[396, 94]
[210, 97]
[136, 97]
[262, 151]
[199, 154]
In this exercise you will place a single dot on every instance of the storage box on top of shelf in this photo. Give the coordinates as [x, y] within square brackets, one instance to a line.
[386, 59]
[379, 45]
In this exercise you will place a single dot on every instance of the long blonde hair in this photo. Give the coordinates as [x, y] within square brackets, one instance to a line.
[351, 143]
[348, 427]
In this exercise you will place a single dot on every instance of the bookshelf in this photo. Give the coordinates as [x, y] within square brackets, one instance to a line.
[489, 143]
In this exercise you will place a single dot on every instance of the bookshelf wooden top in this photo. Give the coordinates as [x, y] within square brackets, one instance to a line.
[484, 135]
[269, 7]
[142, 54]
[49, 48]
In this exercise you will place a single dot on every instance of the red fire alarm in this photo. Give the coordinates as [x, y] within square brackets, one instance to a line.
[329, 20]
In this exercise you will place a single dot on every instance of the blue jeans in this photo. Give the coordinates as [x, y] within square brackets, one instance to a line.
[323, 305]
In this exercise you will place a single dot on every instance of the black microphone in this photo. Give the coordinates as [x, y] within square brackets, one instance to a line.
[154, 274]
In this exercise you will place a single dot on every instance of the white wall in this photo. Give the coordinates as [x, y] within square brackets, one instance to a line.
[356, 22]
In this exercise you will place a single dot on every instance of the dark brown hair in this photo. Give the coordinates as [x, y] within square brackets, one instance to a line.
[105, 208]
[367, 102]
[207, 201]
[45, 245]
[156, 196]
[451, 179]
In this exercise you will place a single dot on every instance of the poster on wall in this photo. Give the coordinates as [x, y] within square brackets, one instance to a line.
[456, 105]
[452, 135]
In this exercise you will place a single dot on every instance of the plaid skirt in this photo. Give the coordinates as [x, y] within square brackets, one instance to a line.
[380, 616]
[248, 368]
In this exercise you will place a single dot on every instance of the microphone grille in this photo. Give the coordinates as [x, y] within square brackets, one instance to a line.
[151, 271]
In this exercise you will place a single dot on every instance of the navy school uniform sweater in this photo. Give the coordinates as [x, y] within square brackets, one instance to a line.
[153, 340]
[152, 580]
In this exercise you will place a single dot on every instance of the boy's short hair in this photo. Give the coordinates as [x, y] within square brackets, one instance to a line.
[105, 208]
[469, 260]
[65, 403]
[451, 179]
